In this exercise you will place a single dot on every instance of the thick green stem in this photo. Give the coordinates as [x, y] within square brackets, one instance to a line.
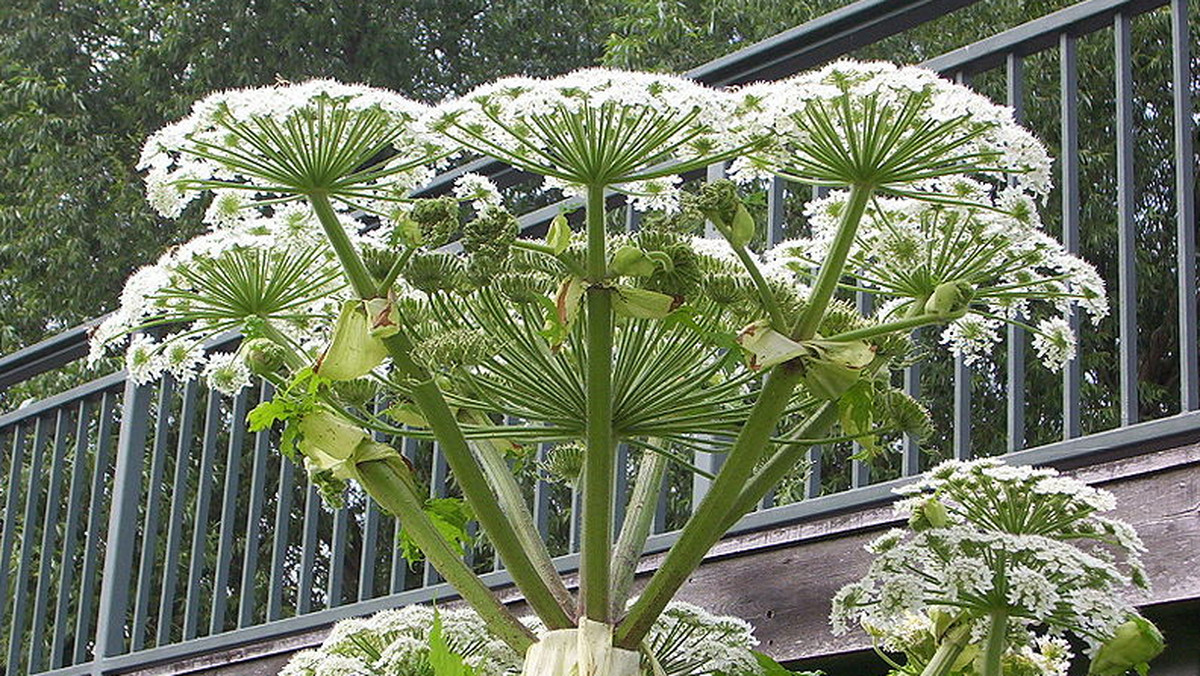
[706, 525]
[442, 423]
[352, 264]
[782, 462]
[948, 651]
[475, 486]
[512, 501]
[598, 458]
[391, 485]
[639, 516]
[996, 639]
[834, 264]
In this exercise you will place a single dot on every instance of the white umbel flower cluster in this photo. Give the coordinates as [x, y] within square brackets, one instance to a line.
[595, 125]
[988, 536]
[1010, 268]
[184, 155]
[251, 269]
[901, 118]
[396, 642]
[686, 641]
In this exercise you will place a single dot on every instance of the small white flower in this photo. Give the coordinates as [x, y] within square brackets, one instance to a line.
[226, 373]
[182, 357]
[973, 337]
[658, 194]
[143, 359]
[476, 188]
[1054, 343]
[227, 207]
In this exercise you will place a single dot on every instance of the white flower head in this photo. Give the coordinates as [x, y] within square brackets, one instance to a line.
[852, 100]
[973, 337]
[1054, 342]
[1021, 538]
[474, 187]
[593, 125]
[227, 373]
[221, 141]
[182, 356]
[143, 359]
[656, 194]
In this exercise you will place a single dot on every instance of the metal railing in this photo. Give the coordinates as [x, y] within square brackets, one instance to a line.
[143, 524]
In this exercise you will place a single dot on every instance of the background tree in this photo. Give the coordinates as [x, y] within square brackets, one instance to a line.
[82, 82]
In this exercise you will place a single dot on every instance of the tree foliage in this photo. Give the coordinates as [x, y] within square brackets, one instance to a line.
[82, 82]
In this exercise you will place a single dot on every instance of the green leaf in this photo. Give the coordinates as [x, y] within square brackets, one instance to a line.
[443, 660]
[264, 415]
[772, 668]
[288, 406]
[451, 517]
[856, 411]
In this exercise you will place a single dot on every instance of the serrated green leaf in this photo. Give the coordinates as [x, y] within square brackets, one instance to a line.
[443, 660]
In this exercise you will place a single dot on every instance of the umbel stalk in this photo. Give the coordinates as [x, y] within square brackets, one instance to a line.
[597, 476]
[532, 580]
[711, 518]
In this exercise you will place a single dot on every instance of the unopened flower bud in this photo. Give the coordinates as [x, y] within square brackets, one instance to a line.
[1132, 646]
[353, 352]
[378, 261]
[264, 356]
[523, 287]
[950, 298]
[437, 219]
[726, 289]
[565, 462]
[436, 271]
[742, 229]
[492, 231]
[643, 304]
[558, 237]
[327, 440]
[630, 261]
[718, 201]
[826, 379]
[929, 514]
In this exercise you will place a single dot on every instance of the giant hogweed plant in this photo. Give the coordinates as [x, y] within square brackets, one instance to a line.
[349, 291]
